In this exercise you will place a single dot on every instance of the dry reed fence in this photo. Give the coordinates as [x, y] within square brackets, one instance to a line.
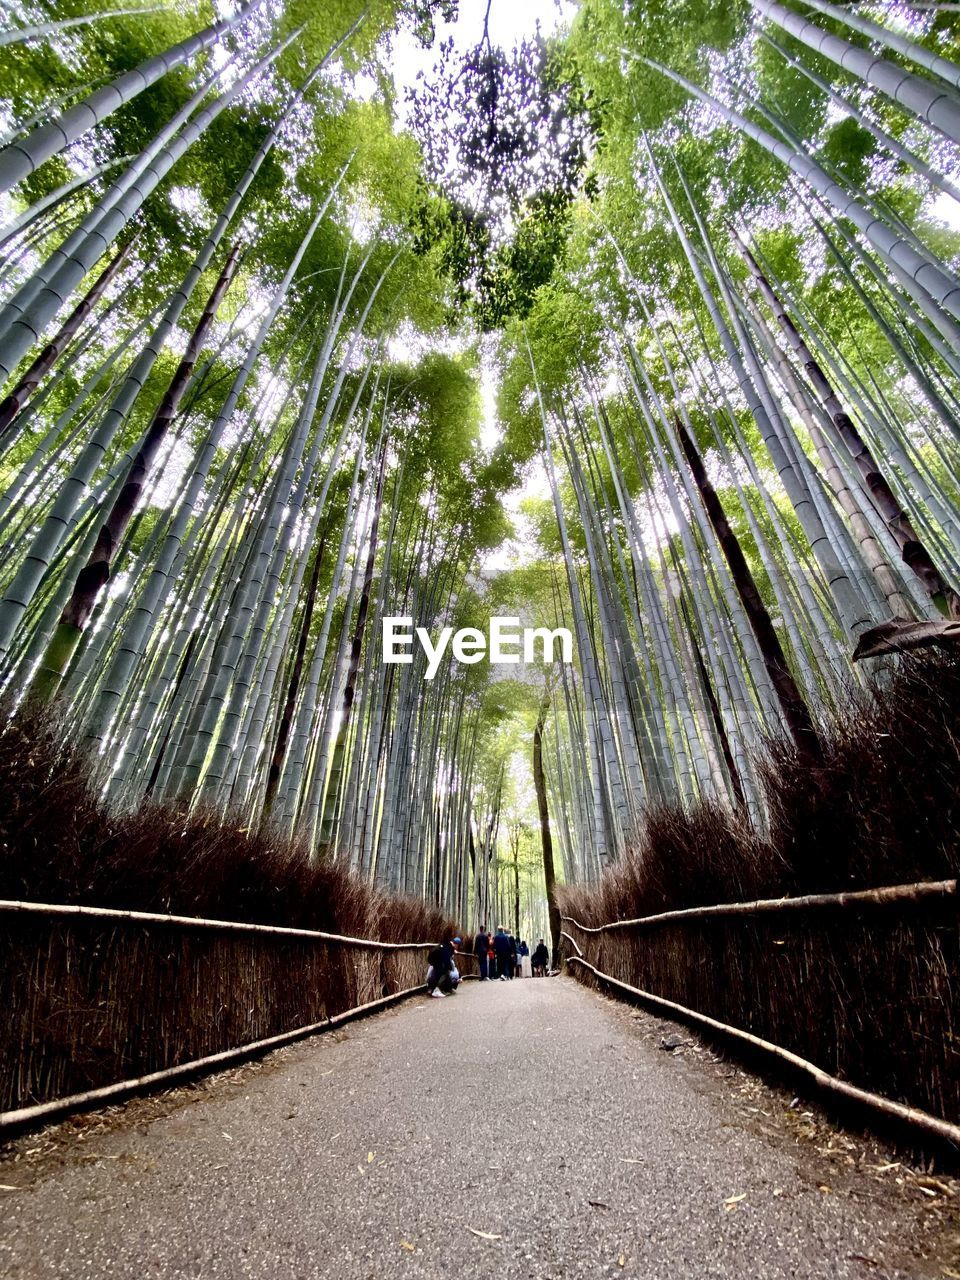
[868, 991]
[90, 1000]
[865, 987]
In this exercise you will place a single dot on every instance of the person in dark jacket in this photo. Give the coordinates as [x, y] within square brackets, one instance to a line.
[481, 948]
[442, 974]
[505, 950]
[540, 959]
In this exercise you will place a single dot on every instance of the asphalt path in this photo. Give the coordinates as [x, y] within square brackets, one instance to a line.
[525, 1129]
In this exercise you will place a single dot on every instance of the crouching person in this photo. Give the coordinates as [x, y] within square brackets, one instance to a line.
[443, 977]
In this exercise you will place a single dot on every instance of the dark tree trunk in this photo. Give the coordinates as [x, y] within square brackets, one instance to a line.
[715, 713]
[12, 405]
[185, 660]
[437, 855]
[546, 837]
[95, 574]
[795, 710]
[293, 684]
[516, 890]
[336, 768]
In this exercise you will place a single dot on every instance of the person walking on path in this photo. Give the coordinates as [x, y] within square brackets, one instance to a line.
[540, 959]
[481, 949]
[504, 947]
[525, 969]
[442, 974]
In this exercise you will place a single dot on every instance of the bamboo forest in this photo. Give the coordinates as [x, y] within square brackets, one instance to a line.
[246, 323]
[353, 354]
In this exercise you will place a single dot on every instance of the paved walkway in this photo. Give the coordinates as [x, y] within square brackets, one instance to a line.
[530, 1129]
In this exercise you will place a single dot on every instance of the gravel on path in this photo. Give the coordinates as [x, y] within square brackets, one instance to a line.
[527, 1129]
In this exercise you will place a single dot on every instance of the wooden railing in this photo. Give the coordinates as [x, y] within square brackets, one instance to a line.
[891, 895]
[857, 993]
[101, 1003]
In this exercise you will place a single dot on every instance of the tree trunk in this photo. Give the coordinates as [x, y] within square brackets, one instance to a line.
[795, 709]
[349, 691]
[293, 685]
[915, 554]
[17, 35]
[20, 159]
[95, 574]
[924, 98]
[715, 714]
[546, 837]
[515, 842]
[12, 404]
[911, 49]
[937, 282]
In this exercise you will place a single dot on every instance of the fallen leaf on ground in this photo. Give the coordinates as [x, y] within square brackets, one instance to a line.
[862, 1257]
[4, 1186]
[370, 1155]
[731, 1202]
[627, 1160]
[598, 1204]
[484, 1235]
[622, 1261]
[405, 1244]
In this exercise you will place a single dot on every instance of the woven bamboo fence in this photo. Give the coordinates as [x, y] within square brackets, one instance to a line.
[864, 987]
[92, 997]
